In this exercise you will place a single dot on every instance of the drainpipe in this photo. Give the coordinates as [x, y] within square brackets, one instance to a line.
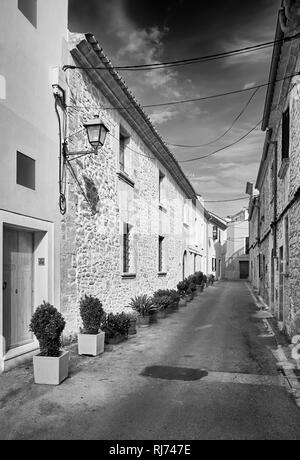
[274, 223]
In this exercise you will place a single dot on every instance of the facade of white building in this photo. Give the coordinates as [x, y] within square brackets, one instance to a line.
[216, 236]
[29, 216]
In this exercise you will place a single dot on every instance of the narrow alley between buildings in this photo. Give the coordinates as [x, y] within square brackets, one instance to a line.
[206, 371]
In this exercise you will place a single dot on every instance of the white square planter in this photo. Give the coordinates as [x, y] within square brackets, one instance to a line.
[91, 344]
[50, 370]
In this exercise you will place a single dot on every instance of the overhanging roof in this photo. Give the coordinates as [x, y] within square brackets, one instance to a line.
[87, 53]
[216, 220]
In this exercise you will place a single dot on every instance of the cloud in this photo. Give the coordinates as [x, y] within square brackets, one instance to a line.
[249, 85]
[145, 46]
[159, 118]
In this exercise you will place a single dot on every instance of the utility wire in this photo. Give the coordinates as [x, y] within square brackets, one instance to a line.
[198, 99]
[228, 201]
[180, 62]
[226, 132]
[224, 148]
[235, 142]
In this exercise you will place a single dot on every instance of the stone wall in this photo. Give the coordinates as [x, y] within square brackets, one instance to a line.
[92, 233]
[283, 295]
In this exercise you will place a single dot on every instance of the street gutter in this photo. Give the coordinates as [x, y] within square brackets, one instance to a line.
[285, 363]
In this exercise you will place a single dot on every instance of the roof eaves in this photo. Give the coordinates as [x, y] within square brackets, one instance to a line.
[170, 161]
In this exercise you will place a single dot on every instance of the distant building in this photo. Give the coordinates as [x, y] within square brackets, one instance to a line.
[275, 214]
[237, 247]
[216, 245]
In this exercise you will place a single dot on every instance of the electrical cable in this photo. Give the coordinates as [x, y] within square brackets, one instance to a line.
[198, 99]
[227, 201]
[237, 141]
[180, 62]
[223, 148]
[226, 132]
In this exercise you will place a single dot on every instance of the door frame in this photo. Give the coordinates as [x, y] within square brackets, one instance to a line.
[44, 290]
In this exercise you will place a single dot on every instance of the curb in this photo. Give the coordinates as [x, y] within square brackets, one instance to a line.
[285, 364]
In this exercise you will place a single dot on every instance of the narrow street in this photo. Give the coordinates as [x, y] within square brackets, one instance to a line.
[204, 372]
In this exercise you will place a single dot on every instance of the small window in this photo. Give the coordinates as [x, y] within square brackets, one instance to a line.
[160, 186]
[286, 243]
[126, 248]
[122, 153]
[124, 140]
[247, 245]
[25, 171]
[215, 232]
[160, 253]
[286, 134]
[214, 264]
[29, 9]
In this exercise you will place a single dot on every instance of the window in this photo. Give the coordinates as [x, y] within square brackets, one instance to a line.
[272, 180]
[286, 243]
[29, 9]
[215, 232]
[160, 253]
[25, 171]
[160, 186]
[286, 134]
[247, 245]
[214, 264]
[122, 152]
[126, 248]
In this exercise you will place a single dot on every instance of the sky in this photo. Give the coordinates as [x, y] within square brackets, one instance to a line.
[135, 32]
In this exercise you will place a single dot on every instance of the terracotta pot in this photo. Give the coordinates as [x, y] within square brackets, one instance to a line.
[153, 318]
[161, 314]
[144, 321]
[115, 339]
[91, 344]
[132, 327]
[50, 370]
[182, 302]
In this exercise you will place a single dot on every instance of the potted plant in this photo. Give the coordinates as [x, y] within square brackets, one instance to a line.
[133, 316]
[91, 337]
[51, 365]
[145, 308]
[182, 288]
[161, 299]
[174, 299]
[116, 328]
[192, 287]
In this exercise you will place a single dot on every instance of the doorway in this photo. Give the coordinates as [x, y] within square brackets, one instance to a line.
[17, 286]
[281, 281]
[184, 265]
[244, 270]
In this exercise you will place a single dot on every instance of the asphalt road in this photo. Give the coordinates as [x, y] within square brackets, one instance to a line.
[204, 372]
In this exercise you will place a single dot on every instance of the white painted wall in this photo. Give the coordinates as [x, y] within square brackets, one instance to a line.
[28, 121]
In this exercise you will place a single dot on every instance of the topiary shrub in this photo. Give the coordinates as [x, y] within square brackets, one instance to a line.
[47, 325]
[198, 277]
[92, 314]
[116, 324]
[182, 287]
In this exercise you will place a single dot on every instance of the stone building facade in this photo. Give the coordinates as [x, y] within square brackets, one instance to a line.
[237, 247]
[140, 229]
[278, 181]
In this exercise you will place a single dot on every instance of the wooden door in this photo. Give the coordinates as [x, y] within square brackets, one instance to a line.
[281, 280]
[244, 270]
[17, 286]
